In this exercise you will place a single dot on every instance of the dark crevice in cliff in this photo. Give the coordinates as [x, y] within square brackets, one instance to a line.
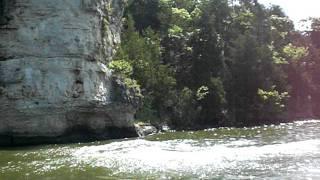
[5, 7]
[4, 58]
[2, 10]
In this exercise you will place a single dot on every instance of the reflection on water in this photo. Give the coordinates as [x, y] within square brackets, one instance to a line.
[286, 151]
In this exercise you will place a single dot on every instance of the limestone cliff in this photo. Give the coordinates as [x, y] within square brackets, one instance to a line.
[54, 83]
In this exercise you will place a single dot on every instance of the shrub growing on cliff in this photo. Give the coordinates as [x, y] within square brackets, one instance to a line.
[121, 67]
[138, 58]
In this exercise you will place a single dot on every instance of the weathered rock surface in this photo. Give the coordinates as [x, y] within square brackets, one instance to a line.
[54, 84]
[145, 129]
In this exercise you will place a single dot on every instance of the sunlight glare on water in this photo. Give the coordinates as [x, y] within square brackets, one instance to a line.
[183, 157]
[285, 151]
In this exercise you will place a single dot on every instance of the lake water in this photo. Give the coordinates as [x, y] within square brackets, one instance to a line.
[285, 151]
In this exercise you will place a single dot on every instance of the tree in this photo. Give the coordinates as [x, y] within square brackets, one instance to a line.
[218, 62]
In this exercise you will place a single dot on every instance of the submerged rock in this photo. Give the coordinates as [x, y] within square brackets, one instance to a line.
[145, 129]
[54, 82]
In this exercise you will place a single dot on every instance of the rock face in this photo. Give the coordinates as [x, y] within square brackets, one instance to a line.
[54, 84]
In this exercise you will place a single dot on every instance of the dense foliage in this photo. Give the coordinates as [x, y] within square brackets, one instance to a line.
[218, 62]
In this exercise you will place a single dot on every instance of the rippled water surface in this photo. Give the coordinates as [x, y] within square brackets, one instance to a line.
[286, 151]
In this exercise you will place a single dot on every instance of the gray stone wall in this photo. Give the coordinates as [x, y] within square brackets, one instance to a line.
[54, 82]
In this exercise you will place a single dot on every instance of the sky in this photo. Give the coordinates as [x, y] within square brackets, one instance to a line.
[297, 9]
